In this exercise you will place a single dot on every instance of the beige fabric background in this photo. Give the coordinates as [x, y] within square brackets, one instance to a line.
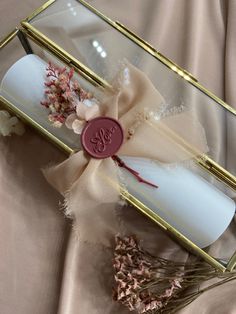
[37, 247]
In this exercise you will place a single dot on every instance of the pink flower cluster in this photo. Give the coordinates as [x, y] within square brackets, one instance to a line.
[62, 94]
[139, 286]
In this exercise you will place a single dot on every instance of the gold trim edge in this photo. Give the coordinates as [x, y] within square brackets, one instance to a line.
[215, 169]
[40, 10]
[8, 38]
[232, 263]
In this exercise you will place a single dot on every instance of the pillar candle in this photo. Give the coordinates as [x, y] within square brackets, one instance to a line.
[185, 200]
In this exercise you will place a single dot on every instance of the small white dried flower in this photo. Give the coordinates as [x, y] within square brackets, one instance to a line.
[57, 124]
[10, 125]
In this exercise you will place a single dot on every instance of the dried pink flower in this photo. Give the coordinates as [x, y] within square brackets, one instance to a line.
[65, 98]
[137, 284]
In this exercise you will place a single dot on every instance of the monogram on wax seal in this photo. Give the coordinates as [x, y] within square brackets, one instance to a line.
[102, 137]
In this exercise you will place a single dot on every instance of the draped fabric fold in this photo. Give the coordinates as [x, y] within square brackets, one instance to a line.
[91, 186]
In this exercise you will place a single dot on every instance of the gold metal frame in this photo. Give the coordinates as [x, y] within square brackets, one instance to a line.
[8, 38]
[207, 163]
[40, 9]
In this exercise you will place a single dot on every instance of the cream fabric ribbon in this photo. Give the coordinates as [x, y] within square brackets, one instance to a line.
[90, 185]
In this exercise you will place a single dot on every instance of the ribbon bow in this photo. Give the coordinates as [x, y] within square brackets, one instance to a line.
[88, 183]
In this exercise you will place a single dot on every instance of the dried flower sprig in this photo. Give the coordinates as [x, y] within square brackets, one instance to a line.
[139, 282]
[64, 95]
[148, 284]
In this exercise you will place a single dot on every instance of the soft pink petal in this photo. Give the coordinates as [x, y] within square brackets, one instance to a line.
[78, 126]
[70, 119]
[81, 110]
[92, 112]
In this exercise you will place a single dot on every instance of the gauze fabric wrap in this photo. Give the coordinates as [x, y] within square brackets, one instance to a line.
[91, 185]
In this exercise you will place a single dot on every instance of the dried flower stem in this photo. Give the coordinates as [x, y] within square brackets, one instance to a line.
[153, 285]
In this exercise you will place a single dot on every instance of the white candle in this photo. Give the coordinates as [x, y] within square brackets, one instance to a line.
[186, 201]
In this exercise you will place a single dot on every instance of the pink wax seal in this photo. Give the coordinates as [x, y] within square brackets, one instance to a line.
[102, 137]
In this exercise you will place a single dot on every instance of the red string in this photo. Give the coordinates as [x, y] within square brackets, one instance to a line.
[122, 164]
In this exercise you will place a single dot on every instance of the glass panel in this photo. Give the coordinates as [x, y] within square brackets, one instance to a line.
[102, 48]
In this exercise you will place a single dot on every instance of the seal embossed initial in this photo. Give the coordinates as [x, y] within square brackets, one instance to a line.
[102, 137]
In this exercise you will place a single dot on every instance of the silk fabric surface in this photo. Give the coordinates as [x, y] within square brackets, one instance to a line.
[44, 269]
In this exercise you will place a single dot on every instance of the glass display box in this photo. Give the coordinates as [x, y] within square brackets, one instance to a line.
[95, 46]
